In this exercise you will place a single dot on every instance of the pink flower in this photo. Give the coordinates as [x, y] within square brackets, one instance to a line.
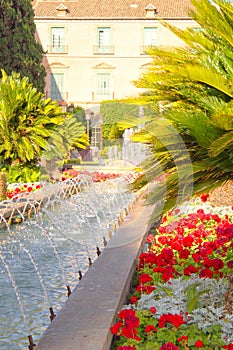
[150, 239]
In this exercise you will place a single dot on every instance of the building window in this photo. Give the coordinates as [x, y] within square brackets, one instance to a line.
[103, 86]
[58, 40]
[103, 41]
[150, 38]
[57, 86]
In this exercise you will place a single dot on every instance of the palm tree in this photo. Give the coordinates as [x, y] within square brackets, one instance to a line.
[191, 139]
[28, 123]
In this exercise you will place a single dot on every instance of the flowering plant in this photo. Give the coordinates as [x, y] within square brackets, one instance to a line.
[14, 193]
[96, 176]
[179, 301]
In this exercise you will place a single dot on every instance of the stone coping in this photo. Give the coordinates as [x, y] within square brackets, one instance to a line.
[85, 319]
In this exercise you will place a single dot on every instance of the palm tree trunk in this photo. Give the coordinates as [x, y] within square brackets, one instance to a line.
[3, 186]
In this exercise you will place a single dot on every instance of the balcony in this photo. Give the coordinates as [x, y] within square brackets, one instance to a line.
[144, 49]
[62, 49]
[100, 96]
[103, 50]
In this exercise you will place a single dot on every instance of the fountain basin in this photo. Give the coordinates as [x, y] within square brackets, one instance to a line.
[43, 255]
[84, 321]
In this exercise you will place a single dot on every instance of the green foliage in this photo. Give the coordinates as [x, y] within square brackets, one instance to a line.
[76, 161]
[193, 296]
[26, 120]
[104, 153]
[191, 138]
[19, 50]
[68, 134]
[113, 112]
[32, 126]
[22, 173]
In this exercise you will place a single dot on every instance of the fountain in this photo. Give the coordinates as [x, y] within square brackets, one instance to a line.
[48, 240]
[127, 153]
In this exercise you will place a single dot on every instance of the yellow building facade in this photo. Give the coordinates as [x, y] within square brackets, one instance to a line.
[94, 50]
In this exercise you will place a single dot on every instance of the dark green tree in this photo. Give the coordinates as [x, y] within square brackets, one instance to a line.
[20, 52]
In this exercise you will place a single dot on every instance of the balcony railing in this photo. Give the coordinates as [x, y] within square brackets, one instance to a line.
[57, 49]
[98, 96]
[103, 50]
[144, 49]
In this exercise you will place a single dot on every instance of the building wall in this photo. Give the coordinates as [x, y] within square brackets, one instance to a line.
[80, 65]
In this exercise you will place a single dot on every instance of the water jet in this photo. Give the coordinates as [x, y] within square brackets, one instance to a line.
[50, 250]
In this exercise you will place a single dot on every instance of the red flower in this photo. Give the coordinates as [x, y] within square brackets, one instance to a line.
[163, 240]
[176, 211]
[175, 319]
[150, 328]
[168, 272]
[126, 347]
[167, 254]
[129, 333]
[153, 310]
[206, 273]
[217, 263]
[188, 241]
[150, 239]
[199, 344]
[144, 278]
[169, 346]
[149, 289]
[129, 315]
[189, 270]
[204, 197]
[183, 339]
[230, 264]
[116, 327]
[216, 218]
[228, 347]
[146, 289]
[147, 258]
[133, 300]
[196, 257]
[184, 253]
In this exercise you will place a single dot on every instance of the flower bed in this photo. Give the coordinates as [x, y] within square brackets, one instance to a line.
[15, 191]
[96, 176]
[182, 292]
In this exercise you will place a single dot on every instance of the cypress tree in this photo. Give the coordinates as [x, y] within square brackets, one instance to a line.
[20, 52]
